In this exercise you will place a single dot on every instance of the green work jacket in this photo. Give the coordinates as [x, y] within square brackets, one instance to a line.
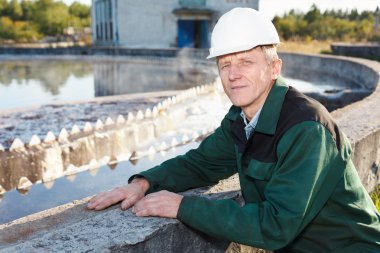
[301, 190]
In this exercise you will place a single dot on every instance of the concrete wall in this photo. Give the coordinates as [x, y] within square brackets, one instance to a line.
[69, 227]
[153, 24]
[368, 50]
[222, 6]
[51, 49]
[158, 29]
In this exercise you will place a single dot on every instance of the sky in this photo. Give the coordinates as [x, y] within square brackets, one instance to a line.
[69, 2]
[279, 7]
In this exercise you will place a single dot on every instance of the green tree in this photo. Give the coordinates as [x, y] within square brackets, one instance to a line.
[6, 28]
[364, 29]
[43, 5]
[28, 8]
[31, 20]
[15, 10]
[3, 7]
[26, 32]
[314, 14]
[367, 15]
[332, 24]
[79, 10]
[52, 19]
[354, 15]
[286, 26]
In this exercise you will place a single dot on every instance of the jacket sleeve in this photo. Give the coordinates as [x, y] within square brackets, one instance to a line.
[308, 169]
[212, 161]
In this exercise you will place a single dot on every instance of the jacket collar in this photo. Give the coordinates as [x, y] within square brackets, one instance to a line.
[271, 110]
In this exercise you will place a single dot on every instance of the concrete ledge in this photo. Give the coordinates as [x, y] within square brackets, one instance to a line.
[361, 123]
[364, 50]
[70, 228]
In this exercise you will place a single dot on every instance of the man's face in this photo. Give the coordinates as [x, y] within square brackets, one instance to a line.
[247, 77]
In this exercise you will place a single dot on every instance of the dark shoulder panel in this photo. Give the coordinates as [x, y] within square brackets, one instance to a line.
[298, 107]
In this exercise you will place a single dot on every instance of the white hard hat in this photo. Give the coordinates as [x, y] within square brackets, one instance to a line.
[241, 29]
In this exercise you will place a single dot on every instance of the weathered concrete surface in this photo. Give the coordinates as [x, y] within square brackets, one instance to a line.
[364, 50]
[361, 123]
[70, 228]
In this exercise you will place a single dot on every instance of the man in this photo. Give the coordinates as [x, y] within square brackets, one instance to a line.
[301, 190]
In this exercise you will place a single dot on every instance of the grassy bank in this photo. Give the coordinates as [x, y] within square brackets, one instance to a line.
[308, 47]
[375, 196]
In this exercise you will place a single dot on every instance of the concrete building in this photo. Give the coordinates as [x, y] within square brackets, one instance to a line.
[159, 24]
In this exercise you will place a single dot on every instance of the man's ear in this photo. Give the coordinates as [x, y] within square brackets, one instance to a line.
[276, 69]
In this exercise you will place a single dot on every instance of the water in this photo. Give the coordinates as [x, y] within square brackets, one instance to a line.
[36, 82]
[42, 81]
[15, 204]
[308, 87]
[24, 93]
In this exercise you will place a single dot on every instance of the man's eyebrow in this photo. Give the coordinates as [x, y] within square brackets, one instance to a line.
[246, 57]
[238, 58]
[221, 61]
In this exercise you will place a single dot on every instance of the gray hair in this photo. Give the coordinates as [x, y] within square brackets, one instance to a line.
[270, 52]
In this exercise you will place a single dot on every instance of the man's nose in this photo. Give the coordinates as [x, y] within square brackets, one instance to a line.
[234, 72]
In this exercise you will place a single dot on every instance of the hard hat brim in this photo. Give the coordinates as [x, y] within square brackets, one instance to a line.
[216, 53]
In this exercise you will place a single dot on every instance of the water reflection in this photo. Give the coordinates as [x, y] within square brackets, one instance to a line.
[35, 82]
[41, 81]
[125, 77]
[52, 75]
[15, 204]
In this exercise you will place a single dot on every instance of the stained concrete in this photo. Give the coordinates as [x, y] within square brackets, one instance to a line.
[70, 228]
[364, 50]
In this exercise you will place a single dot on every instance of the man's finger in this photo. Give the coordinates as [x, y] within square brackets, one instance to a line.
[150, 212]
[127, 203]
[104, 199]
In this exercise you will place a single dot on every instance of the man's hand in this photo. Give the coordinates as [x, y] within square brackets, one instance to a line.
[129, 195]
[162, 204]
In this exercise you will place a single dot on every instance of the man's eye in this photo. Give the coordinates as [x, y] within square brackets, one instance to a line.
[247, 62]
[224, 66]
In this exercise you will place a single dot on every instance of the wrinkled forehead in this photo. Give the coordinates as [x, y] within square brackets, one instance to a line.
[252, 53]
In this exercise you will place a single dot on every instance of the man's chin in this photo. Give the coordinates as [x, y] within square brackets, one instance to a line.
[241, 105]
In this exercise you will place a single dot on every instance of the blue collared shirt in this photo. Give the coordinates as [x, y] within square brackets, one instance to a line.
[250, 126]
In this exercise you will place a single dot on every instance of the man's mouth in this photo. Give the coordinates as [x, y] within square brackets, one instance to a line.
[237, 87]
